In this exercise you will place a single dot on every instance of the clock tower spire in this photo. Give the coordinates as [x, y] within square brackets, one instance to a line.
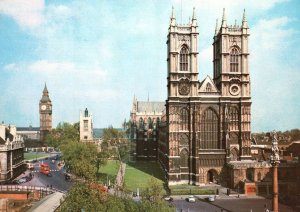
[45, 109]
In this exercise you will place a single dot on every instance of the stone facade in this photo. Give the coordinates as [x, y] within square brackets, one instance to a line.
[208, 122]
[29, 133]
[11, 153]
[45, 110]
[144, 118]
[86, 126]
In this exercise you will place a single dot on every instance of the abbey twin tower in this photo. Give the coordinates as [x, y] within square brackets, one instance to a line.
[205, 125]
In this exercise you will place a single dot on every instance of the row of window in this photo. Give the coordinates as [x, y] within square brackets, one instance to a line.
[184, 59]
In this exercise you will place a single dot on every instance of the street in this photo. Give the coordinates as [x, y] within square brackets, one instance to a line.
[56, 180]
[183, 205]
[232, 204]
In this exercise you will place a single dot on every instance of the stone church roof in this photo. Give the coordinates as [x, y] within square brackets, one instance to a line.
[148, 107]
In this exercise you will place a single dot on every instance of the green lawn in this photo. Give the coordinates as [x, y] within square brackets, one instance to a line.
[138, 174]
[33, 155]
[109, 171]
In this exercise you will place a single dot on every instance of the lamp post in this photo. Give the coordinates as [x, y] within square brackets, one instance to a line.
[275, 160]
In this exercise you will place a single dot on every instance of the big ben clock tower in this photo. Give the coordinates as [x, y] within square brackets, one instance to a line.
[45, 114]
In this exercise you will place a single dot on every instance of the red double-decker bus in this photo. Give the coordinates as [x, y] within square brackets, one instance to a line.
[44, 168]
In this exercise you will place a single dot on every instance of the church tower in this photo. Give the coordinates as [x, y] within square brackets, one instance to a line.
[231, 76]
[183, 85]
[45, 106]
[86, 126]
[182, 59]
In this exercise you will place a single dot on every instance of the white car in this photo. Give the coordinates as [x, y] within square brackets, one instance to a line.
[211, 199]
[191, 199]
[22, 180]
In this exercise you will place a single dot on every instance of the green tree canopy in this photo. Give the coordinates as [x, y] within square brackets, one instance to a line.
[63, 133]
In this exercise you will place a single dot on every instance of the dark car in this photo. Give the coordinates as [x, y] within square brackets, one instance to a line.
[67, 177]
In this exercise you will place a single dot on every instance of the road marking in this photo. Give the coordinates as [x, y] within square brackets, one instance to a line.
[50, 171]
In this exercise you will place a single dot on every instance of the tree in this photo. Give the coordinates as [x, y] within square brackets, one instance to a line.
[153, 192]
[83, 196]
[101, 159]
[64, 133]
[112, 136]
[80, 158]
[152, 198]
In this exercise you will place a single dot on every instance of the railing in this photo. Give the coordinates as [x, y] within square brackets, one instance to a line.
[41, 190]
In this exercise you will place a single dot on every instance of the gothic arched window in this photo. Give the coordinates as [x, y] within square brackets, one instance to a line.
[208, 87]
[149, 123]
[141, 123]
[184, 140]
[233, 118]
[184, 57]
[234, 60]
[184, 156]
[184, 119]
[209, 130]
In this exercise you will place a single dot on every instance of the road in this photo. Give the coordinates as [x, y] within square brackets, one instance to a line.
[57, 179]
[183, 205]
[227, 204]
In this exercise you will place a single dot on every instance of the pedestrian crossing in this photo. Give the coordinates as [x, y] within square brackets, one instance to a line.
[52, 170]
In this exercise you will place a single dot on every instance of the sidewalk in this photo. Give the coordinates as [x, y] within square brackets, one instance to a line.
[120, 175]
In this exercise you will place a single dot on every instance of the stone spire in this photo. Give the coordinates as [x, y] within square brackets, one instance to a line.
[224, 22]
[172, 19]
[134, 104]
[244, 23]
[194, 15]
[194, 19]
[45, 96]
[217, 28]
[45, 91]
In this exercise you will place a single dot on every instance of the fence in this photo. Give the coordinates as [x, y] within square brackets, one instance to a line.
[38, 192]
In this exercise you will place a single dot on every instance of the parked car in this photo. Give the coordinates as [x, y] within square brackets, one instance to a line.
[169, 199]
[211, 199]
[22, 180]
[191, 199]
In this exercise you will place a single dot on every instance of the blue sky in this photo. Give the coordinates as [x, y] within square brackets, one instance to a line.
[98, 54]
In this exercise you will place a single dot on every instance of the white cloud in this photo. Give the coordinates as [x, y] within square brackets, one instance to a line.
[272, 34]
[45, 66]
[28, 13]
[59, 69]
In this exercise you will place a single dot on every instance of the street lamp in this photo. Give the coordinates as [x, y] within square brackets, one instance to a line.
[275, 160]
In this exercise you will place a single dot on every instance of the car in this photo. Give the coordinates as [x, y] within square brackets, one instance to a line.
[22, 180]
[211, 199]
[169, 199]
[191, 199]
[67, 177]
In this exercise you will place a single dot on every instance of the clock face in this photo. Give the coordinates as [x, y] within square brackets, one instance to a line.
[184, 87]
[43, 107]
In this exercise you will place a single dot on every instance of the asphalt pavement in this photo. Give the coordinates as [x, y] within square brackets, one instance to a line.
[226, 203]
[56, 180]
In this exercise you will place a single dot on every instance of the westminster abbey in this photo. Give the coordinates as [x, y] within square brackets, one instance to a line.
[203, 134]
[206, 124]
